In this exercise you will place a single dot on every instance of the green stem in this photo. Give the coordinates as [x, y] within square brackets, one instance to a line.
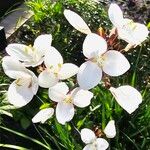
[137, 61]
[103, 117]
[41, 136]
[39, 99]
[52, 138]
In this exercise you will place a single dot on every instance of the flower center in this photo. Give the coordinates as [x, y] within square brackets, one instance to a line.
[68, 99]
[94, 145]
[130, 26]
[33, 53]
[55, 70]
[24, 82]
[29, 49]
[100, 60]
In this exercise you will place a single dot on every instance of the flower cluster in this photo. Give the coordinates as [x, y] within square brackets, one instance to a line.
[94, 143]
[99, 59]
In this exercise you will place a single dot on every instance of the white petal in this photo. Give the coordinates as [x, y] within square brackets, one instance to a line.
[13, 68]
[76, 21]
[133, 33]
[19, 95]
[140, 33]
[19, 51]
[89, 147]
[64, 112]
[68, 70]
[28, 55]
[115, 63]
[115, 15]
[87, 135]
[102, 144]
[43, 115]
[94, 45]
[47, 79]
[89, 75]
[110, 129]
[34, 82]
[127, 97]
[53, 58]
[58, 92]
[43, 43]
[82, 98]
[34, 63]
[126, 30]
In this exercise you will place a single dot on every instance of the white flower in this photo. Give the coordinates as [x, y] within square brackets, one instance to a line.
[132, 32]
[55, 69]
[110, 129]
[22, 90]
[127, 97]
[111, 62]
[66, 101]
[93, 143]
[76, 21]
[43, 115]
[31, 56]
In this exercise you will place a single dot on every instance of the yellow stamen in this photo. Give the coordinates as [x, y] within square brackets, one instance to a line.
[68, 100]
[24, 82]
[132, 25]
[17, 82]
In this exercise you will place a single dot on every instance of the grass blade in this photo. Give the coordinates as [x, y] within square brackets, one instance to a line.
[26, 137]
[13, 146]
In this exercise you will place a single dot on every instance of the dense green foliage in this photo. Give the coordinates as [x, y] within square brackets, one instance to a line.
[133, 131]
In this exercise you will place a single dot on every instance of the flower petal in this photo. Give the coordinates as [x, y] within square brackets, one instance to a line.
[94, 45]
[68, 70]
[34, 82]
[89, 75]
[140, 34]
[110, 129]
[19, 95]
[47, 79]
[133, 33]
[127, 97]
[115, 63]
[115, 15]
[89, 147]
[53, 58]
[58, 92]
[81, 98]
[43, 43]
[126, 30]
[87, 136]
[34, 63]
[76, 21]
[28, 55]
[13, 68]
[43, 115]
[19, 51]
[102, 144]
[64, 112]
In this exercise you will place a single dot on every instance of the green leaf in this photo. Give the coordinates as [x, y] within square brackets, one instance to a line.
[45, 105]
[57, 7]
[148, 25]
